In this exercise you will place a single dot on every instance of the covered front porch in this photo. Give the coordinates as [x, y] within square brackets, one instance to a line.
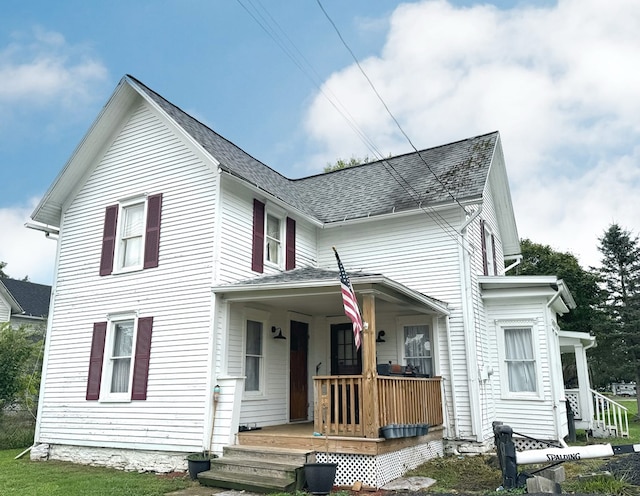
[374, 403]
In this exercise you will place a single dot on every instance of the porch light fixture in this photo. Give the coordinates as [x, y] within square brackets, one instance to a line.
[380, 338]
[279, 335]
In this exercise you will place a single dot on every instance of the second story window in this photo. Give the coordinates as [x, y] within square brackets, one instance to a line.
[131, 235]
[273, 239]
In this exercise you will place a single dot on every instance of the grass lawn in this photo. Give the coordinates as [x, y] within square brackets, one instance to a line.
[52, 478]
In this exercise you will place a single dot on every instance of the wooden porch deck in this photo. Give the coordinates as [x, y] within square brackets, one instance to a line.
[300, 436]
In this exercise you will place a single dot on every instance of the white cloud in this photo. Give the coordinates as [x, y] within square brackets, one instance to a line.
[25, 251]
[40, 68]
[560, 84]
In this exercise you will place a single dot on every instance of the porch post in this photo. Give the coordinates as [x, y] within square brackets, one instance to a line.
[370, 416]
[584, 384]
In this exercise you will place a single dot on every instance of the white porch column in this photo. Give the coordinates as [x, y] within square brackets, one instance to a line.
[584, 384]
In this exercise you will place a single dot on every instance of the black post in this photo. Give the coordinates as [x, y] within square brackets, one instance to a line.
[506, 451]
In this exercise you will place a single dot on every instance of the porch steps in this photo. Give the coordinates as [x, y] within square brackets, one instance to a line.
[258, 469]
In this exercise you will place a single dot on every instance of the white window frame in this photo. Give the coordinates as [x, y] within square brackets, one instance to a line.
[532, 325]
[262, 318]
[107, 365]
[123, 205]
[410, 321]
[279, 214]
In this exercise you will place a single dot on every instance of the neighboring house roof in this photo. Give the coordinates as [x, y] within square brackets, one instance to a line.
[313, 279]
[27, 299]
[449, 174]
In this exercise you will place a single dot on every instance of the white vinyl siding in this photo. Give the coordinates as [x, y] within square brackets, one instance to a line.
[526, 411]
[417, 252]
[145, 156]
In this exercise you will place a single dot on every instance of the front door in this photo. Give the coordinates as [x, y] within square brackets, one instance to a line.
[298, 385]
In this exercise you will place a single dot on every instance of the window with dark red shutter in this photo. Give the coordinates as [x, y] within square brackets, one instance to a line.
[109, 240]
[152, 238]
[141, 363]
[291, 244]
[95, 360]
[257, 252]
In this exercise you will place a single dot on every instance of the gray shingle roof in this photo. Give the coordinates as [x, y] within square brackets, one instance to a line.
[32, 297]
[433, 176]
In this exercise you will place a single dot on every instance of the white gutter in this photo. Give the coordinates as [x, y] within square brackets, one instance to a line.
[45, 228]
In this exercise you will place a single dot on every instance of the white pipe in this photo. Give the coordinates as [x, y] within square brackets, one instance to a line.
[451, 382]
[514, 264]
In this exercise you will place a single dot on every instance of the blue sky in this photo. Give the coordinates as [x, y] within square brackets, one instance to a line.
[559, 80]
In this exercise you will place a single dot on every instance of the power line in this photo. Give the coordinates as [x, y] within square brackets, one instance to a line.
[384, 104]
[273, 29]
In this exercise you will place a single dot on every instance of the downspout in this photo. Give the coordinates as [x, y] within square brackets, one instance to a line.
[454, 408]
[469, 331]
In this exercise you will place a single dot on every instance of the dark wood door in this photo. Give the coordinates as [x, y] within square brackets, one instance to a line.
[345, 359]
[298, 384]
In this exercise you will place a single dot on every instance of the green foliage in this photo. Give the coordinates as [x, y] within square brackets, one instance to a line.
[17, 353]
[601, 484]
[343, 164]
[52, 478]
[16, 429]
[2, 272]
[620, 276]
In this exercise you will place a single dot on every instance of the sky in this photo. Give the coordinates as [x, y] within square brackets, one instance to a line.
[560, 81]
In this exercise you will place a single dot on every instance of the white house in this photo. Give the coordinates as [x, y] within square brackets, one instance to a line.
[184, 263]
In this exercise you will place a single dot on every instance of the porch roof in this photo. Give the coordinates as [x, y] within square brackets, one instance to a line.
[569, 338]
[316, 291]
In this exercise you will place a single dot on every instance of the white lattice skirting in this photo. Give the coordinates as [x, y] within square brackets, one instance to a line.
[377, 470]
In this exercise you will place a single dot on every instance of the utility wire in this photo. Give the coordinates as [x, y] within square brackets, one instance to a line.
[267, 22]
[384, 104]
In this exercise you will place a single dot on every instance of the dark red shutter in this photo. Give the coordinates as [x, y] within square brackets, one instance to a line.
[108, 240]
[152, 238]
[257, 253]
[141, 364]
[95, 360]
[485, 268]
[291, 244]
[493, 254]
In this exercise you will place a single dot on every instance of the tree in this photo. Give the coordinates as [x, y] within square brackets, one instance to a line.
[2, 272]
[18, 353]
[541, 259]
[620, 276]
[344, 164]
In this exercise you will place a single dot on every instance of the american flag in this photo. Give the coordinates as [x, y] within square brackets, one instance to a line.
[350, 302]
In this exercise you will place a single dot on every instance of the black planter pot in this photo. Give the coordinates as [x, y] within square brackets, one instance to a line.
[320, 477]
[197, 463]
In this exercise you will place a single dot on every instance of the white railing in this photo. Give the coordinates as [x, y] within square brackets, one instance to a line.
[610, 416]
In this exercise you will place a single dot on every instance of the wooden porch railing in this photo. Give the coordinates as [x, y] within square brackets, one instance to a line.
[408, 400]
[339, 408]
